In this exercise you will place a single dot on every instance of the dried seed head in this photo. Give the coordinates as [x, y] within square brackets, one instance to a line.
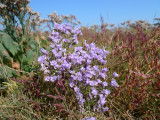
[3, 6]
[28, 1]
[111, 25]
[22, 9]
[123, 23]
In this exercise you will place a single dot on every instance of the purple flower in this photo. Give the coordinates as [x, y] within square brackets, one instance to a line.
[77, 31]
[92, 45]
[104, 70]
[53, 63]
[82, 69]
[114, 83]
[99, 81]
[105, 109]
[115, 74]
[65, 65]
[47, 78]
[88, 61]
[58, 55]
[103, 62]
[105, 91]
[59, 77]
[70, 46]
[105, 51]
[52, 46]
[65, 40]
[59, 46]
[74, 77]
[96, 68]
[87, 81]
[79, 60]
[88, 75]
[90, 96]
[86, 45]
[103, 75]
[105, 84]
[76, 89]
[44, 51]
[44, 68]
[71, 84]
[102, 99]
[81, 102]
[94, 91]
[53, 79]
[93, 83]
[79, 76]
[68, 27]
[89, 118]
[55, 34]
[42, 58]
[78, 49]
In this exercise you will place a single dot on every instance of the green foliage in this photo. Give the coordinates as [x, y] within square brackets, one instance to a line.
[11, 51]
[4, 54]
[9, 43]
[8, 49]
[16, 41]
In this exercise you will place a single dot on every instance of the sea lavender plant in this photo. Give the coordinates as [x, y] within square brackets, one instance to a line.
[78, 66]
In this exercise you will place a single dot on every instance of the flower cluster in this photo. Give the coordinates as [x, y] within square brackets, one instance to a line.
[78, 65]
[54, 17]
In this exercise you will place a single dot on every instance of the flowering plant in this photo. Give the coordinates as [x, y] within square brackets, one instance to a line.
[79, 66]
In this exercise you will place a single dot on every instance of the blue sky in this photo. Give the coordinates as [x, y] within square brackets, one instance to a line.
[89, 11]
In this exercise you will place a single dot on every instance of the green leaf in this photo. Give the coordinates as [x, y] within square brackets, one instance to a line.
[9, 43]
[24, 59]
[4, 54]
[5, 72]
[30, 55]
[33, 44]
